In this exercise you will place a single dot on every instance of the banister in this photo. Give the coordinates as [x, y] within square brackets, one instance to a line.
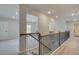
[39, 37]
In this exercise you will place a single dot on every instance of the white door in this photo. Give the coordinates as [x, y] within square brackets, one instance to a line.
[3, 30]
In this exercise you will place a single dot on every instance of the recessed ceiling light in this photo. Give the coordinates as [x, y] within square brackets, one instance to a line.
[56, 16]
[49, 12]
[16, 13]
[73, 14]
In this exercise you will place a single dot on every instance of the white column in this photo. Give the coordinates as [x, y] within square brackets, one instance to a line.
[22, 17]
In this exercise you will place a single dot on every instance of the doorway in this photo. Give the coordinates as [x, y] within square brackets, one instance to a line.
[76, 29]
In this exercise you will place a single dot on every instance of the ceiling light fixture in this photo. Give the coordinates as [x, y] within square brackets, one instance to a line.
[56, 16]
[16, 13]
[49, 12]
[73, 14]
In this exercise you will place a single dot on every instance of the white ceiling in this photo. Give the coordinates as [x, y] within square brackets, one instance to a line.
[60, 10]
[8, 11]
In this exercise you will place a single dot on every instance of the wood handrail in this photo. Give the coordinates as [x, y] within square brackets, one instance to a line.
[29, 33]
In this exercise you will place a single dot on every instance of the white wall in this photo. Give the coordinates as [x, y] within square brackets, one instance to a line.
[13, 28]
[52, 25]
[10, 27]
[60, 25]
[44, 24]
[3, 30]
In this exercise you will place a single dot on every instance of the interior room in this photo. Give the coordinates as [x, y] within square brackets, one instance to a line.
[39, 29]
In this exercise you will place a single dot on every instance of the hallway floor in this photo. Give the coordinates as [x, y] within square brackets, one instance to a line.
[70, 47]
[9, 47]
